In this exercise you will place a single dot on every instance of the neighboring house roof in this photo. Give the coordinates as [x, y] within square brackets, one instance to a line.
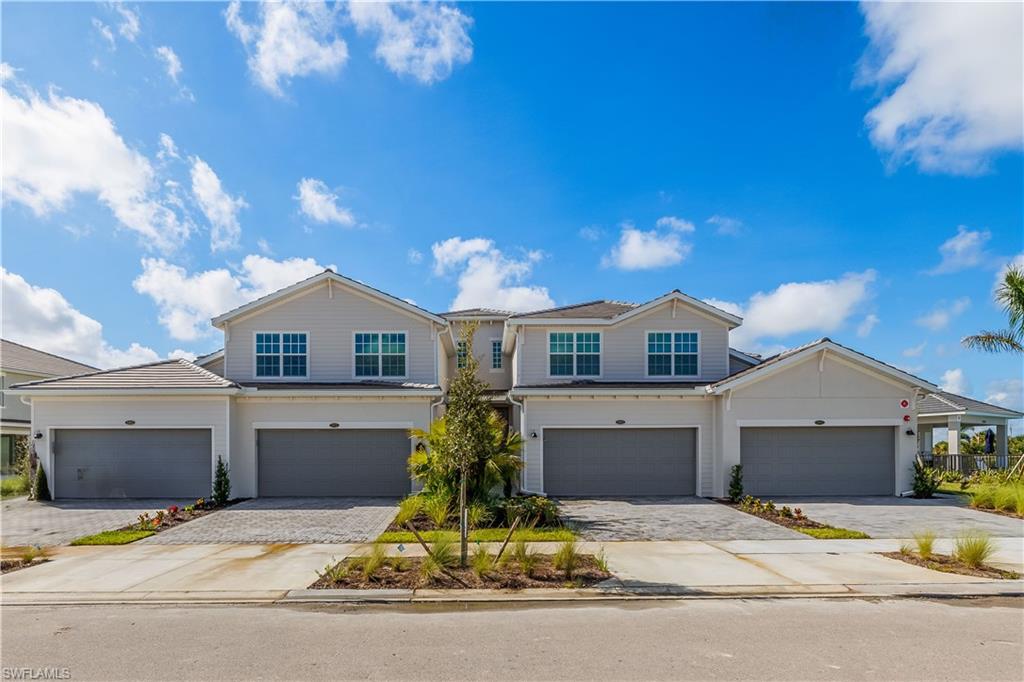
[944, 402]
[167, 375]
[15, 357]
[203, 360]
[326, 276]
[474, 313]
[602, 309]
[795, 354]
[613, 312]
[749, 358]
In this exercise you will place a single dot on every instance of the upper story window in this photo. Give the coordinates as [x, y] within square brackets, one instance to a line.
[673, 354]
[461, 354]
[380, 354]
[496, 354]
[574, 354]
[281, 354]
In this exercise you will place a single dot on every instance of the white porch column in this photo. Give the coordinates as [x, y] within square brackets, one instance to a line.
[953, 434]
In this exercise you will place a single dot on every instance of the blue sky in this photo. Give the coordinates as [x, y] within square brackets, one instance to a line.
[823, 169]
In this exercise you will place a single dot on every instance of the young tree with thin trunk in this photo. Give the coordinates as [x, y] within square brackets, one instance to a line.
[468, 429]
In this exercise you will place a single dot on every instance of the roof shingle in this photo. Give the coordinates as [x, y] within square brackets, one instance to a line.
[165, 374]
[944, 402]
[600, 310]
[18, 358]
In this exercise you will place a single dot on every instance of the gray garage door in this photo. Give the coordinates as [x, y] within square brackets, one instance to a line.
[620, 462]
[104, 463]
[834, 460]
[333, 462]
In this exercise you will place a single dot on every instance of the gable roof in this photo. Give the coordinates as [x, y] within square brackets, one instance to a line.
[474, 313]
[801, 352]
[327, 275]
[944, 402]
[613, 312]
[164, 375]
[16, 357]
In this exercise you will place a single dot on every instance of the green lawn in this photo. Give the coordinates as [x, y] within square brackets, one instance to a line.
[955, 489]
[834, 533]
[13, 487]
[113, 537]
[481, 535]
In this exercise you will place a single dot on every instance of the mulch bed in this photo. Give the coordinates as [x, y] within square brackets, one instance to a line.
[11, 565]
[180, 517]
[408, 576]
[947, 564]
[787, 521]
[1000, 512]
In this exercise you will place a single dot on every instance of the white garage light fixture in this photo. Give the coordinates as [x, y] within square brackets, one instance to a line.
[533, 434]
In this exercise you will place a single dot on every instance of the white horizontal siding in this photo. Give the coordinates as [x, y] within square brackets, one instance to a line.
[331, 322]
[554, 412]
[624, 346]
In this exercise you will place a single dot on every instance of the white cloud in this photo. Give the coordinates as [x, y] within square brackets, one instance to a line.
[951, 74]
[290, 39]
[42, 318]
[915, 351]
[1008, 393]
[425, 40]
[129, 26]
[105, 32]
[56, 147]
[726, 225]
[171, 62]
[321, 204]
[264, 246]
[1017, 262]
[219, 207]
[943, 313]
[188, 301]
[795, 307]
[413, 256]
[866, 325]
[489, 278]
[591, 233]
[168, 150]
[965, 249]
[673, 223]
[178, 353]
[639, 250]
[954, 381]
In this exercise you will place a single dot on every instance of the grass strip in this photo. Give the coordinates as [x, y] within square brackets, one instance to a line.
[112, 537]
[480, 535]
[829, 533]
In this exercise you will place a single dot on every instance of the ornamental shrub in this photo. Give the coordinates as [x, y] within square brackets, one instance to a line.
[221, 484]
[736, 483]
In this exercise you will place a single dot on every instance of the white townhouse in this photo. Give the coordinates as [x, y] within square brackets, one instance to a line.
[318, 384]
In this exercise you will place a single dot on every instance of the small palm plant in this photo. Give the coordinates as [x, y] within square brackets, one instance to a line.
[1010, 294]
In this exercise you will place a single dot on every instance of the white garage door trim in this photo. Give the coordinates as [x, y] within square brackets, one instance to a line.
[52, 478]
[841, 422]
[540, 444]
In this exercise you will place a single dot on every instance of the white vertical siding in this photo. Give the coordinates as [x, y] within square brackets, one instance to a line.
[331, 317]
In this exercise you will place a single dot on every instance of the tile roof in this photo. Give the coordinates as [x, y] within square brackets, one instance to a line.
[477, 312]
[944, 402]
[601, 309]
[16, 357]
[165, 374]
[334, 386]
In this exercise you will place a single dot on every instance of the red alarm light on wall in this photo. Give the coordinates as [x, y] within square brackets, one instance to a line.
[904, 403]
[906, 417]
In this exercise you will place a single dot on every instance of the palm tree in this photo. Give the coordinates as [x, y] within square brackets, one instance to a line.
[1010, 293]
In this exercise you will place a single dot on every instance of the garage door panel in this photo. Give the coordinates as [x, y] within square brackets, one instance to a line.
[333, 463]
[115, 463]
[619, 462]
[818, 461]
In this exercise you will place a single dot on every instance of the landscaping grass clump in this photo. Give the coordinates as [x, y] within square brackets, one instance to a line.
[479, 535]
[1004, 497]
[14, 486]
[408, 509]
[973, 548]
[113, 537]
[970, 552]
[794, 519]
[567, 557]
[482, 562]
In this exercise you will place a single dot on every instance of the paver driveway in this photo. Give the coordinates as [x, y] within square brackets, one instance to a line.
[58, 523]
[666, 518]
[287, 520]
[901, 517]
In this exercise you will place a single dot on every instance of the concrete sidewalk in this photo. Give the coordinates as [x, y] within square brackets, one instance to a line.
[268, 573]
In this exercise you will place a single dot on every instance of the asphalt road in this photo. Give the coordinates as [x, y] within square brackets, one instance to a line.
[720, 640]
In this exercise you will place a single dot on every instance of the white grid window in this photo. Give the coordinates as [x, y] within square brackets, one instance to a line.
[496, 354]
[281, 354]
[673, 354]
[574, 354]
[380, 354]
